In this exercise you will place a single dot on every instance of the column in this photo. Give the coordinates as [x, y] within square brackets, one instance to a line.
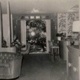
[7, 26]
[23, 32]
[48, 33]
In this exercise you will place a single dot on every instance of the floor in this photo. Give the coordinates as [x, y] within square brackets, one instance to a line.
[41, 67]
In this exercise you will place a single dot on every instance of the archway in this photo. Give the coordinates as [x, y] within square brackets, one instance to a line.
[37, 32]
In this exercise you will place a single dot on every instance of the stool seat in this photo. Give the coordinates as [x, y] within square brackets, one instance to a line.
[55, 47]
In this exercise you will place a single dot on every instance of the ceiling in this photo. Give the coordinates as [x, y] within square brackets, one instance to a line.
[39, 6]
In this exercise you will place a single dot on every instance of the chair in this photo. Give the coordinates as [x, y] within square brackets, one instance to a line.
[53, 50]
[10, 65]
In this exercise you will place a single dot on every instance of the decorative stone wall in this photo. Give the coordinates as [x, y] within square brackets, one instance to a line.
[72, 16]
[62, 23]
[65, 22]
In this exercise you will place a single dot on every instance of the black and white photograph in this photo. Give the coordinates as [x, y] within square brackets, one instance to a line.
[39, 39]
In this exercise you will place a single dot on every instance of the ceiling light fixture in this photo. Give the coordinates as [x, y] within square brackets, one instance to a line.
[35, 10]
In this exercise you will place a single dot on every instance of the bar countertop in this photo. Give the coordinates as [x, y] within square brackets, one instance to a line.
[75, 47]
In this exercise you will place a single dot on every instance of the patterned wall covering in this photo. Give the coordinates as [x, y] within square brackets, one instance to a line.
[65, 22]
[62, 23]
[72, 16]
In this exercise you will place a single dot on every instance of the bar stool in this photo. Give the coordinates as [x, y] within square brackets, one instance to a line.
[53, 50]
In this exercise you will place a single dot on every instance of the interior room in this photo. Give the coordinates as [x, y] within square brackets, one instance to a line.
[39, 40]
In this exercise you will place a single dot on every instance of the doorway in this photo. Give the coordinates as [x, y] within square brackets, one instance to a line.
[36, 33]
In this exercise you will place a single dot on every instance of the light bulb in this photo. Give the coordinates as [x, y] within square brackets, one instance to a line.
[32, 33]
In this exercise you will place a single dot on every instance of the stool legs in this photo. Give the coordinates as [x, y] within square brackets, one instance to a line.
[55, 51]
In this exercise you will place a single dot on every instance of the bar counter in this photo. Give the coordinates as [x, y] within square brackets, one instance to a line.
[73, 62]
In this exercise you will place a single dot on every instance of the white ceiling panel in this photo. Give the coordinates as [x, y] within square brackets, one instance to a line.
[42, 6]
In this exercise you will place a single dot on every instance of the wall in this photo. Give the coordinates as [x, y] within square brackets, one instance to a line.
[79, 9]
[65, 22]
[54, 27]
[1, 33]
[72, 16]
[61, 21]
[53, 17]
